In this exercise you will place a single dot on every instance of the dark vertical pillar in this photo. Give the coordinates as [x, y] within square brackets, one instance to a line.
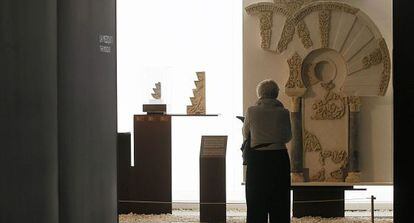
[124, 167]
[353, 142]
[28, 112]
[296, 154]
[353, 175]
[87, 111]
[403, 85]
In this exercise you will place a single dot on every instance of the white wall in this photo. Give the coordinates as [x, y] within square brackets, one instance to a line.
[168, 41]
[376, 143]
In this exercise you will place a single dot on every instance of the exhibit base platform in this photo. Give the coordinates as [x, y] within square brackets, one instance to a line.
[126, 207]
[320, 200]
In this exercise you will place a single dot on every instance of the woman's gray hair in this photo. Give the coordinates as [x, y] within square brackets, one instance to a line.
[267, 89]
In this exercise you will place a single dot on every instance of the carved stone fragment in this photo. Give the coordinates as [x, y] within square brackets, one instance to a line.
[157, 91]
[198, 102]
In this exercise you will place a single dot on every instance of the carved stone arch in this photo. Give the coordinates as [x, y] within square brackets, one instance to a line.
[349, 32]
[335, 54]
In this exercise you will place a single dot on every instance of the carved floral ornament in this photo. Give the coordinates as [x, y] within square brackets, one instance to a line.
[331, 107]
[295, 79]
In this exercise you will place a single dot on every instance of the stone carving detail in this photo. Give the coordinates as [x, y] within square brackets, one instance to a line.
[266, 21]
[324, 26]
[287, 36]
[311, 142]
[353, 177]
[386, 73]
[354, 103]
[373, 58]
[295, 79]
[292, 21]
[309, 73]
[337, 175]
[319, 176]
[339, 156]
[297, 177]
[331, 6]
[304, 35]
[266, 7]
[157, 91]
[198, 102]
[331, 107]
[323, 155]
[265, 10]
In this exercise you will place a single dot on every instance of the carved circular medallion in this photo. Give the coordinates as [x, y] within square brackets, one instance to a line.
[324, 66]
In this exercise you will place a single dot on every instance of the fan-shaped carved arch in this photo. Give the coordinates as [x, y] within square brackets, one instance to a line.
[335, 54]
[334, 25]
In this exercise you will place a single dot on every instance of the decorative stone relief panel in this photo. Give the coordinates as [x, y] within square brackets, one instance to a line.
[325, 114]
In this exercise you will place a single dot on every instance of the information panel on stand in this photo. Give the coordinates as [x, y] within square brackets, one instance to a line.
[213, 146]
[213, 179]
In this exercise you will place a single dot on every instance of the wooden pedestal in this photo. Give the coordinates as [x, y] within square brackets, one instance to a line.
[148, 189]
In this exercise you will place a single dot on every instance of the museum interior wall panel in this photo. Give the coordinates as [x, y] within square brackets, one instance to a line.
[364, 49]
[28, 112]
[87, 111]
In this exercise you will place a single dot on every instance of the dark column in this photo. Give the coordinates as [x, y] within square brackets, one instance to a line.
[28, 112]
[87, 111]
[403, 87]
[124, 168]
[296, 155]
[353, 144]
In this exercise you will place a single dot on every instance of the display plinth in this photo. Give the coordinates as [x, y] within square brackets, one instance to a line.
[213, 179]
[319, 200]
[145, 188]
[149, 183]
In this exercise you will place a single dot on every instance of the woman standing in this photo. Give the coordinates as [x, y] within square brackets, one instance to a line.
[268, 163]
